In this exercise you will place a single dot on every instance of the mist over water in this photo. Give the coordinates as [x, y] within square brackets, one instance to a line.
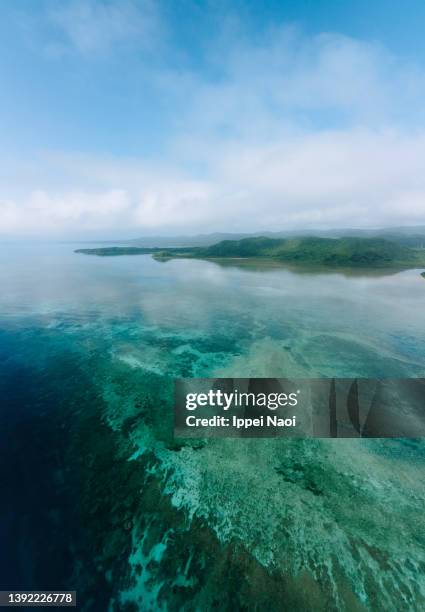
[102, 499]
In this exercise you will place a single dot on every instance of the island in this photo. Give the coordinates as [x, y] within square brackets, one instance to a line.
[341, 252]
[111, 251]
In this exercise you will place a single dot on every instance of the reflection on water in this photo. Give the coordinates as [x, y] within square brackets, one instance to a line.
[332, 323]
[97, 342]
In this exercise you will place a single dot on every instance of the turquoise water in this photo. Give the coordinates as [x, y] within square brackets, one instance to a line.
[102, 499]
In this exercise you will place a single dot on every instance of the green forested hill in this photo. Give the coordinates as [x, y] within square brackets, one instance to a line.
[350, 252]
[313, 250]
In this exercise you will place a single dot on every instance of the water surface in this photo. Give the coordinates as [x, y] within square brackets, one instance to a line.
[101, 498]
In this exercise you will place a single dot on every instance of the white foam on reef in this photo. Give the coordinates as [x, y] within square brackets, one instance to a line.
[135, 361]
[361, 530]
[348, 515]
[146, 587]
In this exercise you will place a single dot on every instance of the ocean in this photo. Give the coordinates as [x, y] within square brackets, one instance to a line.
[97, 495]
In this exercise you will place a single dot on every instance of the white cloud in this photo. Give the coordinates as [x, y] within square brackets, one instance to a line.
[292, 132]
[43, 211]
[95, 26]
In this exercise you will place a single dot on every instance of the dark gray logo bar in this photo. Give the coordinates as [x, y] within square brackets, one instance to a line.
[299, 408]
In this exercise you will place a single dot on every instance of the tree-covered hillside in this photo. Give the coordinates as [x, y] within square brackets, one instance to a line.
[349, 251]
[313, 250]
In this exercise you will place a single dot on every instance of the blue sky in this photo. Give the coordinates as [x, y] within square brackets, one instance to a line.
[131, 117]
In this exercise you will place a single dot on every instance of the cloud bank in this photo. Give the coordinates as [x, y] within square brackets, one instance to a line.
[285, 132]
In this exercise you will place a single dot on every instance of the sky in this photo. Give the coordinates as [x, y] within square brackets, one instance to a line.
[134, 117]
